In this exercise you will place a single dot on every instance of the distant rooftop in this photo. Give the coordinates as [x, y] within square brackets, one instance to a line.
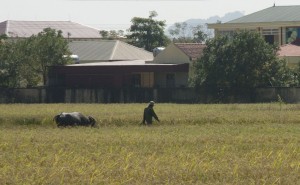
[193, 50]
[26, 29]
[108, 50]
[272, 14]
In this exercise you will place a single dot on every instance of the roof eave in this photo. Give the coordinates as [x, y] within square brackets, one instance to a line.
[253, 25]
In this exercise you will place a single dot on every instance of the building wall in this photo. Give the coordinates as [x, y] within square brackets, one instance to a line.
[284, 35]
[147, 79]
[283, 32]
[171, 55]
[181, 79]
[292, 61]
[288, 32]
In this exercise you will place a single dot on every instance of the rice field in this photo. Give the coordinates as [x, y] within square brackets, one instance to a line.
[193, 144]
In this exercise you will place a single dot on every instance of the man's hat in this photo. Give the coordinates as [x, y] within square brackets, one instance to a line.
[151, 103]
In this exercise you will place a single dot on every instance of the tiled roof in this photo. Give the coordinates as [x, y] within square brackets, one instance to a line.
[192, 50]
[26, 29]
[108, 50]
[271, 14]
[289, 50]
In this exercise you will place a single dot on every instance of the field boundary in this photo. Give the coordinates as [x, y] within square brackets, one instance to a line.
[138, 95]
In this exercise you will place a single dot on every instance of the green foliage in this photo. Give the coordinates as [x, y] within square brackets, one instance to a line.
[24, 62]
[104, 33]
[182, 33]
[179, 32]
[296, 75]
[11, 60]
[3, 37]
[46, 49]
[244, 61]
[112, 34]
[147, 33]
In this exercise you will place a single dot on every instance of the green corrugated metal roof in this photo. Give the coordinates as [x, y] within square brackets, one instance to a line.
[272, 14]
[108, 50]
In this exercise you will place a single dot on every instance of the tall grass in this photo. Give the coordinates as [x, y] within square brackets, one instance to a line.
[193, 144]
[170, 114]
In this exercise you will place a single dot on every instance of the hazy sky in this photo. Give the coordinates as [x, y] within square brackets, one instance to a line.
[115, 14]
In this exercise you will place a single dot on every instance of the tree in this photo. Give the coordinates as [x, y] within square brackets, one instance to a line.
[183, 33]
[296, 75]
[147, 33]
[244, 61]
[24, 62]
[3, 37]
[46, 49]
[10, 61]
[180, 33]
[112, 34]
[104, 33]
[199, 34]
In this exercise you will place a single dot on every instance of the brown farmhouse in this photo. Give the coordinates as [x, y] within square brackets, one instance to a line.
[117, 75]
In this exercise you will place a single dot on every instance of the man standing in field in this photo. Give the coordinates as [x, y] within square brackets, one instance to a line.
[149, 113]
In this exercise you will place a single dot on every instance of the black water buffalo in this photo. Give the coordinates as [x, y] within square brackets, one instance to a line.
[73, 119]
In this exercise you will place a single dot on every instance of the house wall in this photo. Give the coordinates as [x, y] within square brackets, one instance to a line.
[79, 80]
[181, 79]
[283, 36]
[292, 61]
[192, 69]
[147, 79]
[171, 55]
[112, 76]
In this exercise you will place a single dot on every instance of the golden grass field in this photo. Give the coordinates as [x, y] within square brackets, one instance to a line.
[193, 144]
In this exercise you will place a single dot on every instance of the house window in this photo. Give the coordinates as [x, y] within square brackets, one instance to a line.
[293, 35]
[228, 33]
[170, 80]
[270, 32]
[136, 80]
[270, 35]
[269, 39]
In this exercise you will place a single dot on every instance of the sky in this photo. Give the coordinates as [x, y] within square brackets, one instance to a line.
[116, 15]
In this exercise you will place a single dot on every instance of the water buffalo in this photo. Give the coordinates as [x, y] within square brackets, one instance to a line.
[73, 119]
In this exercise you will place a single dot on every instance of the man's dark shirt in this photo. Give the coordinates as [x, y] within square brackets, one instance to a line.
[148, 114]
